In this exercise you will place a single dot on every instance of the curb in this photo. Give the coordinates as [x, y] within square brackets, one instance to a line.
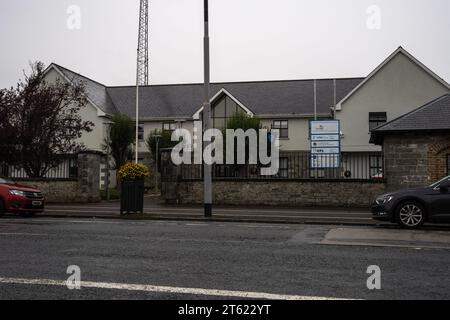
[202, 219]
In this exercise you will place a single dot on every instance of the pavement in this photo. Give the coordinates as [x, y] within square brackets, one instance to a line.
[154, 210]
[124, 259]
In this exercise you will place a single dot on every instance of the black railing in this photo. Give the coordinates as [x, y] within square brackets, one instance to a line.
[292, 166]
[67, 169]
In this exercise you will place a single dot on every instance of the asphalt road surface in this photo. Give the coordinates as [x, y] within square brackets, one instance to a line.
[180, 260]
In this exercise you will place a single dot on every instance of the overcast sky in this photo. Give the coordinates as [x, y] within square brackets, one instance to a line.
[250, 39]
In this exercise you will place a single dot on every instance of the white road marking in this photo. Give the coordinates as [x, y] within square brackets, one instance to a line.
[163, 289]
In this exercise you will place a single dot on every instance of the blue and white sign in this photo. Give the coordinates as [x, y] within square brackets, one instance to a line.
[325, 139]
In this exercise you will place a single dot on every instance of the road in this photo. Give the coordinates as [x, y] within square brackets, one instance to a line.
[187, 260]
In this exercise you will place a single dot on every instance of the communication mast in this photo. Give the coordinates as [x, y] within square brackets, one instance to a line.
[142, 58]
[142, 64]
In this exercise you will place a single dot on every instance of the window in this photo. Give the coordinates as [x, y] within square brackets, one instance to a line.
[73, 168]
[169, 126]
[376, 166]
[284, 168]
[376, 119]
[224, 109]
[283, 126]
[448, 164]
[141, 132]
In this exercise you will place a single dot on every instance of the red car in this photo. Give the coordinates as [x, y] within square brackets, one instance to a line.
[18, 199]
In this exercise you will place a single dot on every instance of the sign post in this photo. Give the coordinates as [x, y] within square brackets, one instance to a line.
[325, 137]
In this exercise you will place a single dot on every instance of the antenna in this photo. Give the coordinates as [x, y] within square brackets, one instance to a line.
[142, 59]
[142, 64]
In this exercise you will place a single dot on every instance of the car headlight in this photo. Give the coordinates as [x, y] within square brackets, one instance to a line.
[17, 193]
[384, 199]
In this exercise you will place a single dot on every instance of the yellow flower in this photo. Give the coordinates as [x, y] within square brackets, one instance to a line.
[134, 171]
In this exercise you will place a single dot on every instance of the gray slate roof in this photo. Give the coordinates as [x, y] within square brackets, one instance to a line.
[94, 90]
[263, 98]
[433, 116]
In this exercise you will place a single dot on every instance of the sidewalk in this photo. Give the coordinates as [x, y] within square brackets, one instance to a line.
[156, 211]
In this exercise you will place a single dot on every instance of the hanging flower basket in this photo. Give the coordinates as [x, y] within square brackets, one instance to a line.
[132, 181]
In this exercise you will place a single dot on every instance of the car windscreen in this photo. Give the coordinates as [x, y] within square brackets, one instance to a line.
[436, 184]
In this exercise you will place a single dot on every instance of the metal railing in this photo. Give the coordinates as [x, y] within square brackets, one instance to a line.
[293, 166]
[67, 169]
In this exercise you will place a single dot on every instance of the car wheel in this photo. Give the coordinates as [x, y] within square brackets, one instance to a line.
[2, 208]
[411, 215]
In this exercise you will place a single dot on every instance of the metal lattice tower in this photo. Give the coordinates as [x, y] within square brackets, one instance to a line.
[142, 59]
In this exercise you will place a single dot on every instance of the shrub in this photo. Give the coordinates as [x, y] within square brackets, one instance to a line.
[132, 171]
[165, 141]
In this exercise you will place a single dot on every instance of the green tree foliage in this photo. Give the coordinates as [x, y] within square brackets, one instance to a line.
[241, 120]
[121, 137]
[165, 141]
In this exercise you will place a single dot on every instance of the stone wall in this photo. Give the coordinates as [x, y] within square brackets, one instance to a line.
[84, 189]
[278, 193]
[89, 164]
[56, 191]
[415, 159]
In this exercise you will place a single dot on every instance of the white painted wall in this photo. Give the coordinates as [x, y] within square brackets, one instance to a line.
[298, 134]
[399, 87]
[94, 139]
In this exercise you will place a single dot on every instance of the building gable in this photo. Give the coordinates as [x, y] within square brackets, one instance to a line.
[396, 87]
[407, 61]
[218, 96]
[96, 93]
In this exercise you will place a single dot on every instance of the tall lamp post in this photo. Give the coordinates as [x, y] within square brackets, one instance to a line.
[207, 115]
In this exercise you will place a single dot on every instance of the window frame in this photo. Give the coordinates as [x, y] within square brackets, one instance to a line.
[377, 119]
[229, 104]
[170, 123]
[283, 172]
[278, 125]
[141, 132]
[378, 168]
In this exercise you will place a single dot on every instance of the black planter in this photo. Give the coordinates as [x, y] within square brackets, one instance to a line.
[132, 197]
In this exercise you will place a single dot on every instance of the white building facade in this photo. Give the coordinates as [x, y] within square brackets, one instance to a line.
[400, 84]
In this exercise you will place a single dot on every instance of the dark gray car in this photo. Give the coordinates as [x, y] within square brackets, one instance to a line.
[412, 208]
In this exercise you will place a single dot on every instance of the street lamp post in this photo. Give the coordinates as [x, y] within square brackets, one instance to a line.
[157, 162]
[207, 115]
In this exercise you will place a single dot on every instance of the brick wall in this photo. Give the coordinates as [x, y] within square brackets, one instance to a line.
[415, 159]
[278, 193]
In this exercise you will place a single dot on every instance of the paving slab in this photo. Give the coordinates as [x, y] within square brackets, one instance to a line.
[385, 237]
